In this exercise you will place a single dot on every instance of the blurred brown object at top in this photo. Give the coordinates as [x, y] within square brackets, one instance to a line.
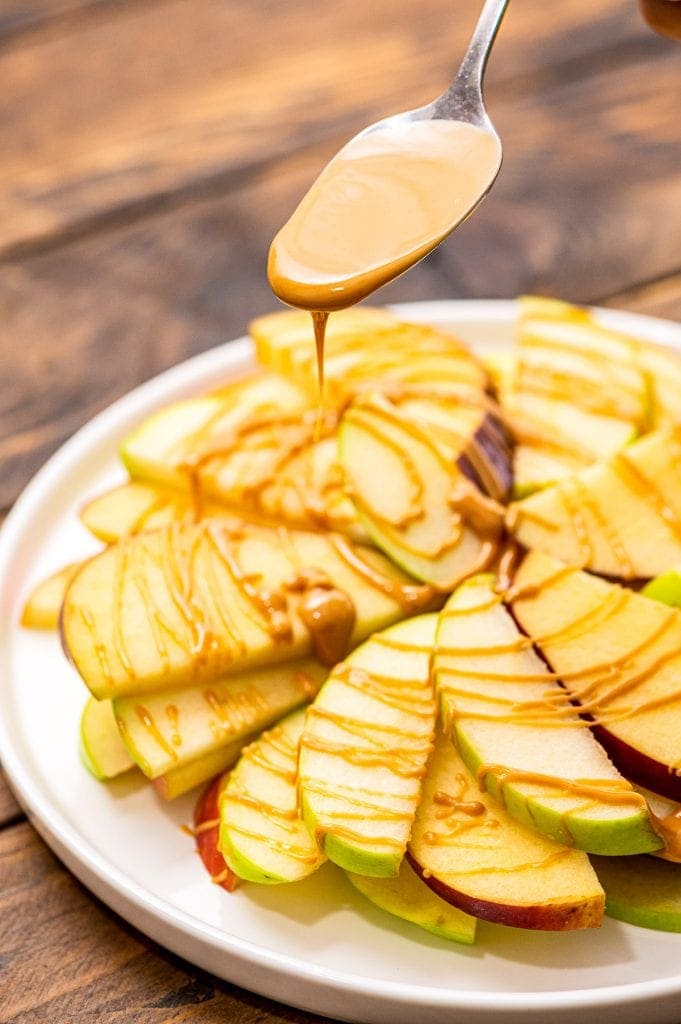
[664, 16]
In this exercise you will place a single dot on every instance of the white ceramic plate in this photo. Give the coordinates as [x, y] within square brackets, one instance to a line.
[316, 944]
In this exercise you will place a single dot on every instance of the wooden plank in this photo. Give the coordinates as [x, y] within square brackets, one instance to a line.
[89, 321]
[17, 16]
[65, 957]
[166, 99]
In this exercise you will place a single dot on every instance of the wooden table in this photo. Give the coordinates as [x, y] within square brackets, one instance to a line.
[149, 150]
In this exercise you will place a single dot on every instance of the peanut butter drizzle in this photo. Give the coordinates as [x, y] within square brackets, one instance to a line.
[101, 653]
[147, 720]
[378, 811]
[668, 828]
[120, 567]
[254, 753]
[410, 596]
[281, 817]
[292, 850]
[611, 791]
[540, 380]
[173, 716]
[615, 543]
[408, 764]
[388, 690]
[483, 514]
[509, 560]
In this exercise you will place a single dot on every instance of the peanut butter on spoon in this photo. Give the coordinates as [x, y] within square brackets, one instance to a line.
[391, 195]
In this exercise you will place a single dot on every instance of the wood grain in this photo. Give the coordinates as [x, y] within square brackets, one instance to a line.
[100, 122]
[9, 808]
[65, 957]
[95, 317]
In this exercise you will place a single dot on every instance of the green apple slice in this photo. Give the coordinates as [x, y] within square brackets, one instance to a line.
[43, 606]
[410, 899]
[158, 450]
[262, 835]
[665, 588]
[136, 506]
[403, 482]
[102, 750]
[364, 749]
[470, 852]
[164, 730]
[620, 518]
[188, 604]
[515, 727]
[618, 654]
[641, 890]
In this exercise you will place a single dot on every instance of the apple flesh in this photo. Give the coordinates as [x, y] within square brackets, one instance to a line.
[410, 899]
[162, 731]
[185, 777]
[188, 604]
[618, 654]
[403, 477]
[644, 891]
[43, 606]
[206, 829]
[262, 836]
[364, 749]
[618, 518]
[469, 851]
[102, 751]
[506, 713]
[136, 506]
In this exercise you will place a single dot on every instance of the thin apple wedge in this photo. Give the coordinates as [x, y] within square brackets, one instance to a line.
[470, 852]
[364, 749]
[618, 655]
[262, 835]
[185, 605]
[365, 349]
[517, 730]
[102, 750]
[665, 588]
[43, 606]
[411, 495]
[619, 518]
[641, 890]
[137, 506]
[206, 832]
[162, 731]
[410, 899]
[159, 449]
[185, 777]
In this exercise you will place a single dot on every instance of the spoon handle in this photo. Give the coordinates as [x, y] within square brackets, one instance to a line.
[463, 100]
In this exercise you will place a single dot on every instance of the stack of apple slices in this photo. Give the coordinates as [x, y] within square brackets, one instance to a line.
[257, 616]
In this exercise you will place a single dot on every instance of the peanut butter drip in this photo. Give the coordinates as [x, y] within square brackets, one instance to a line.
[327, 613]
[457, 813]
[483, 514]
[411, 596]
[668, 828]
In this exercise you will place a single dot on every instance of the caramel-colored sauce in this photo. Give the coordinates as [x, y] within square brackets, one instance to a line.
[329, 616]
[611, 791]
[411, 596]
[483, 514]
[668, 828]
[147, 720]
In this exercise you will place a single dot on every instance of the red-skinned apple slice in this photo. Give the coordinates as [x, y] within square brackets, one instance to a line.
[206, 831]
[618, 654]
[475, 856]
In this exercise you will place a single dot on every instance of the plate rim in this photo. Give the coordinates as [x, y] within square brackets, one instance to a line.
[143, 908]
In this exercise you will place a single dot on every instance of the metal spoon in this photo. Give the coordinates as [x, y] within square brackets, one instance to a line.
[393, 192]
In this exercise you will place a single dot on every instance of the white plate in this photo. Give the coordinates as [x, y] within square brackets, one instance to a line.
[316, 944]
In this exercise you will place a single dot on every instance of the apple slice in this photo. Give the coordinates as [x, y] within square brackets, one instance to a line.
[102, 750]
[618, 654]
[410, 899]
[262, 836]
[410, 494]
[43, 606]
[365, 349]
[665, 588]
[163, 731]
[364, 749]
[185, 777]
[189, 603]
[206, 830]
[470, 852]
[516, 728]
[641, 890]
[158, 450]
[136, 506]
[620, 518]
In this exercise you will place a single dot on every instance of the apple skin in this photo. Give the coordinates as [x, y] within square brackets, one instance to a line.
[644, 891]
[551, 917]
[352, 858]
[207, 839]
[665, 588]
[640, 769]
[494, 439]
